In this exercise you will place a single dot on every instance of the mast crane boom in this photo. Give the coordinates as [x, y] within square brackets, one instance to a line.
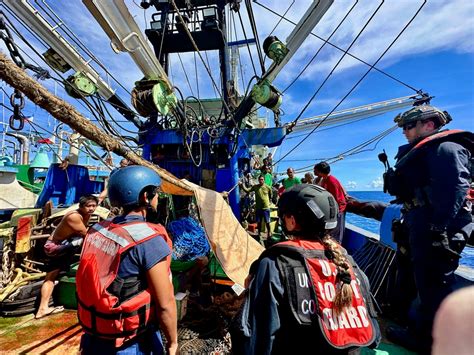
[114, 17]
[263, 92]
[117, 22]
[301, 31]
[36, 22]
[351, 114]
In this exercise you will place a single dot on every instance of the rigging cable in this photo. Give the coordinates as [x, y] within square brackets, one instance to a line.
[185, 74]
[248, 45]
[362, 78]
[100, 108]
[248, 4]
[342, 50]
[238, 50]
[355, 150]
[320, 48]
[282, 17]
[196, 75]
[165, 26]
[279, 21]
[331, 127]
[217, 93]
[103, 108]
[77, 41]
[337, 64]
[208, 71]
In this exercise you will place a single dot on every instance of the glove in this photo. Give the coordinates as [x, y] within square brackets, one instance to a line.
[440, 243]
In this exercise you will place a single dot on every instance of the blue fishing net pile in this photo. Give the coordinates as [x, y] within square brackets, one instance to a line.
[189, 239]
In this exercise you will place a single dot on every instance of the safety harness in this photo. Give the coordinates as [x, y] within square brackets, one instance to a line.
[108, 306]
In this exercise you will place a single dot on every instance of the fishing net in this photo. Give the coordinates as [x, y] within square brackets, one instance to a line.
[205, 330]
[189, 239]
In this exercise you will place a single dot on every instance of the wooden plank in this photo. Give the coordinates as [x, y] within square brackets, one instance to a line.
[55, 334]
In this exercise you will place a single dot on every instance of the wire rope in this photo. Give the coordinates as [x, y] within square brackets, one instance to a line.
[238, 50]
[338, 62]
[248, 46]
[342, 50]
[78, 42]
[196, 75]
[186, 74]
[362, 78]
[248, 4]
[352, 151]
[321, 48]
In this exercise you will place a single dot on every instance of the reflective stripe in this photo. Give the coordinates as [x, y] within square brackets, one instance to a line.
[139, 231]
[111, 235]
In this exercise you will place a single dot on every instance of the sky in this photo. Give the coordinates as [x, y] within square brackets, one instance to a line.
[435, 54]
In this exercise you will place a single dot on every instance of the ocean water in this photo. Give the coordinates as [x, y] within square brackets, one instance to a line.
[373, 226]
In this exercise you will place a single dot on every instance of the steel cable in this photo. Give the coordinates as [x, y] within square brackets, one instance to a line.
[360, 80]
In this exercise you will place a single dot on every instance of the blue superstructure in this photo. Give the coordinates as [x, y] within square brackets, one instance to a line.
[222, 161]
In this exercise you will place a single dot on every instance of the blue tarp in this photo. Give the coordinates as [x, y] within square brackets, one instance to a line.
[65, 187]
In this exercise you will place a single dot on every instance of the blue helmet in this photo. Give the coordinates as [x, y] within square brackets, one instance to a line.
[127, 183]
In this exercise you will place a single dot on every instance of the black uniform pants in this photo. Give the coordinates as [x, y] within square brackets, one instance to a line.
[432, 269]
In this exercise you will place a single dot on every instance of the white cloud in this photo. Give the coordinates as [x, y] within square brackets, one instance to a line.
[430, 32]
[351, 185]
[377, 183]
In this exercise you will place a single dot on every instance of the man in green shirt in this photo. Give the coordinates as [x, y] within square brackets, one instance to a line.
[268, 176]
[291, 180]
[263, 194]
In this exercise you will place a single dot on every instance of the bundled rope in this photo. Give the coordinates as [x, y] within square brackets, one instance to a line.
[21, 279]
[8, 255]
[189, 239]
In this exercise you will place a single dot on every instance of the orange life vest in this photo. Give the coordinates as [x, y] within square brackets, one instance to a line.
[310, 281]
[100, 312]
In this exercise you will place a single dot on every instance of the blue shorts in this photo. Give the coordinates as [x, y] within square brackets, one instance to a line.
[149, 343]
[265, 214]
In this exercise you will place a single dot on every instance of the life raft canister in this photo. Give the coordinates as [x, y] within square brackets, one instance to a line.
[100, 312]
[311, 288]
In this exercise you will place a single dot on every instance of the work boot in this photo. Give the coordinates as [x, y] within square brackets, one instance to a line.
[403, 337]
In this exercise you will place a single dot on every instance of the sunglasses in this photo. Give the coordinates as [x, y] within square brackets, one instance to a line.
[410, 125]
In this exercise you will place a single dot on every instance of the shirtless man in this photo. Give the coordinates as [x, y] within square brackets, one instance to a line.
[61, 246]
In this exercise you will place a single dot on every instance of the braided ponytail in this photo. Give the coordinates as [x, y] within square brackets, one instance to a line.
[343, 296]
